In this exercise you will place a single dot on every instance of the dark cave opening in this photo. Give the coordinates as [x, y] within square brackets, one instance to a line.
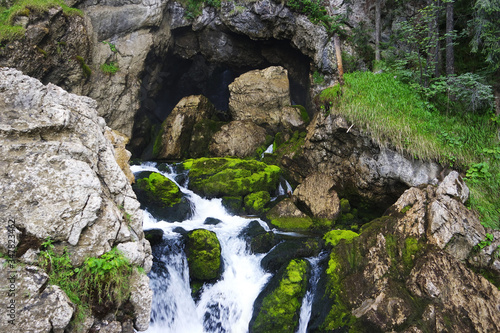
[204, 73]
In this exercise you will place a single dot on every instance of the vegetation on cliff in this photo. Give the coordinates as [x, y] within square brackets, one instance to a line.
[10, 29]
[394, 113]
[99, 285]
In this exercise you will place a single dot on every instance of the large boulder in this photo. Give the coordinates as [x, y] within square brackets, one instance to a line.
[174, 138]
[317, 196]
[203, 255]
[162, 197]
[408, 269]
[286, 216]
[218, 177]
[240, 138]
[263, 97]
[281, 300]
[60, 178]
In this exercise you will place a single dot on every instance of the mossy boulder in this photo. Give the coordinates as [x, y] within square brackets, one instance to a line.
[255, 203]
[203, 255]
[333, 237]
[280, 307]
[162, 197]
[287, 217]
[219, 177]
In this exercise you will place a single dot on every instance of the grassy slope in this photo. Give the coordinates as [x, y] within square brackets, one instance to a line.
[395, 114]
[9, 32]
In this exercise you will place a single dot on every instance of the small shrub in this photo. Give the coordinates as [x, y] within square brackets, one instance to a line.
[110, 68]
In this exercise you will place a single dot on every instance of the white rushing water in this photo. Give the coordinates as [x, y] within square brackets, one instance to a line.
[269, 150]
[307, 301]
[225, 306]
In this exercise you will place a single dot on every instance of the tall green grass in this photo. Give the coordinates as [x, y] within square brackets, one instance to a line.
[9, 32]
[396, 115]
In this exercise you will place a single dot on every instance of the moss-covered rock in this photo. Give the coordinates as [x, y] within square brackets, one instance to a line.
[281, 307]
[203, 255]
[287, 217]
[219, 177]
[255, 203]
[290, 249]
[162, 197]
[333, 237]
[234, 205]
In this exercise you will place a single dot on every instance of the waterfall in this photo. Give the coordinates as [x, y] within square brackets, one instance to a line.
[225, 306]
[307, 301]
[269, 150]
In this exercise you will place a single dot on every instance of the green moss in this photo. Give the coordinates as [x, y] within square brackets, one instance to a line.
[291, 223]
[42, 51]
[280, 309]
[232, 204]
[411, 248]
[391, 246]
[405, 209]
[203, 254]
[160, 189]
[255, 203]
[335, 236]
[217, 177]
[303, 113]
[85, 68]
[345, 207]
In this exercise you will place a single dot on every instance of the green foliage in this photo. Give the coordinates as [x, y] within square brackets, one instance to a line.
[99, 280]
[485, 242]
[193, 8]
[487, 31]
[280, 309]
[110, 68]
[112, 46]
[291, 223]
[395, 113]
[318, 78]
[8, 32]
[255, 203]
[317, 14]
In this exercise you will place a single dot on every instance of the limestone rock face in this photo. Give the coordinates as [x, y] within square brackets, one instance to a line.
[415, 254]
[239, 138]
[122, 155]
[175, 134]
[317, 195]
[263, 96]
[37, 306]
[472, 301]
[60, 177]
[353, 160]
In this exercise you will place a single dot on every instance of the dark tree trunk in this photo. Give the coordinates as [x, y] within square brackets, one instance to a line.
[450, 56]
[377, 31]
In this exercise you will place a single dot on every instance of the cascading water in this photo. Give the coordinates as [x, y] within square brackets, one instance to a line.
[307, 301]
[225, 306]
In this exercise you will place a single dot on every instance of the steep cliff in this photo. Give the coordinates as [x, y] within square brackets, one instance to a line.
[63, 196]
